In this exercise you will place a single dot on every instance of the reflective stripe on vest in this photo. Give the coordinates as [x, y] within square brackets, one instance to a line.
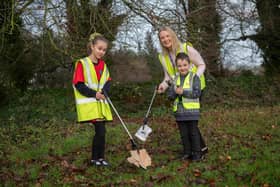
[89, 100]
[89, 108]
[167, 64]
[90, 83]
[188, 103]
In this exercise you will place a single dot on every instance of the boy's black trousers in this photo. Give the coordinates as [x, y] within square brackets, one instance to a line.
[190, 136]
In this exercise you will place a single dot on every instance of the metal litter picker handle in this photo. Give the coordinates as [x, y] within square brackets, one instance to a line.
[133, 143]
[145, 121]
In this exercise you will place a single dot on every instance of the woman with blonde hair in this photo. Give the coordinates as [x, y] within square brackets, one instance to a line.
[171, 46]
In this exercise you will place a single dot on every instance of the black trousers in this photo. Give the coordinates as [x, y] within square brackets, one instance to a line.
[98, 142]
[190, 136]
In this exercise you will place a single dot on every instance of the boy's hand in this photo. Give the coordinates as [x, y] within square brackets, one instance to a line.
[99, 96]
[179, 90]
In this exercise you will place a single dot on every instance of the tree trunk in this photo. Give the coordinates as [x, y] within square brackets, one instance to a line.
[204, 22]
[268, 37]
[85, 18]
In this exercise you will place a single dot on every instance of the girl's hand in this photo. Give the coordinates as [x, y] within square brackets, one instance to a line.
[99, 96]
[179, 90]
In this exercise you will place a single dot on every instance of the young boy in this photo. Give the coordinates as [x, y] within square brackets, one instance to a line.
[186, 91]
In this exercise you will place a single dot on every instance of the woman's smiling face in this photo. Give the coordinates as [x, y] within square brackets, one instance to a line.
[165, 39]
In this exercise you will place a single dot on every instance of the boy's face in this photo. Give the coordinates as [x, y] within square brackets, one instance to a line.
[183, 66]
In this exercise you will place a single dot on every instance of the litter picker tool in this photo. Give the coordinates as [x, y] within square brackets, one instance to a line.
[138, 157]
[144, 131]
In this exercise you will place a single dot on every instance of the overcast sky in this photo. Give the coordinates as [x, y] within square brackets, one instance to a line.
[234, 53]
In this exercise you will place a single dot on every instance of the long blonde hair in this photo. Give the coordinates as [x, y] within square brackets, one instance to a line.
[174, 40]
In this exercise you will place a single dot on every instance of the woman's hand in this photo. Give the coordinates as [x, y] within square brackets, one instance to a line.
[179, 90]
[160, 89]
[99, 96]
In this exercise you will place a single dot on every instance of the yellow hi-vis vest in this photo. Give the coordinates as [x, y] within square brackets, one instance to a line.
[188, 103]
[167, 64]
[89, 108]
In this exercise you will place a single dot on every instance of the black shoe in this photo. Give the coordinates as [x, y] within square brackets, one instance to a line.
[103, 162]
[186, 157]
[197, 157]
[204, 150]
[95, 163]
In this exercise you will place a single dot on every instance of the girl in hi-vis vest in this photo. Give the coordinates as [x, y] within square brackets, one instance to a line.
[91, 78]
[185, 92]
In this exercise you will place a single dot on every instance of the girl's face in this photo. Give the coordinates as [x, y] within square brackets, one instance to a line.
[165, 39]
[99, 49]
[183, 66]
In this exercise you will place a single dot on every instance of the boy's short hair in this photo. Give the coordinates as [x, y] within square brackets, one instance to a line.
[182, 56]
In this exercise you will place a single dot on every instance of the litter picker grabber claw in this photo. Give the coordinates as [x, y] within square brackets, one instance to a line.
[138, 157]
[144, 131]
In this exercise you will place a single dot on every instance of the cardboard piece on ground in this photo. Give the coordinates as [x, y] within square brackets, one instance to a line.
[133, 161]
[145, 158]
[140, 158]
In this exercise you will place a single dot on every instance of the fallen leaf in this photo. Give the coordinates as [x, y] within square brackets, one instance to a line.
[160, 177]
[253, 180]
[65, 164]
[200, 181]
[184, 166]
[128, 146]
[228, 157]
[197, 172]
[45, 165]
[212, 182]
[133, 181]
[267, 137]
[149, 184]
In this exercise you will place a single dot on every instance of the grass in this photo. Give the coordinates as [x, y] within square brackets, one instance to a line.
[242, 144]
[42, 145]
